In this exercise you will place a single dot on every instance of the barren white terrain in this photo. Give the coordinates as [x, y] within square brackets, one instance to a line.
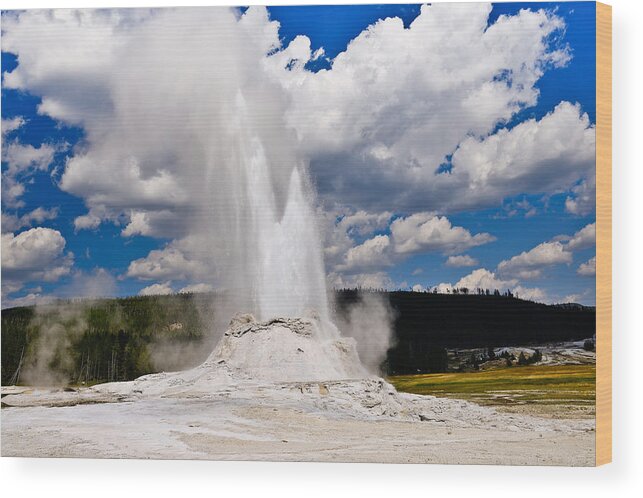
[274, 391]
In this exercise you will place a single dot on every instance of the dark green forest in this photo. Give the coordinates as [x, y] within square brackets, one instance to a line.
[426, 324]
[101, 340]
[120, 339]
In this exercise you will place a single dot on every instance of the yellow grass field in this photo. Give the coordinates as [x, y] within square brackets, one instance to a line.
[557, 391]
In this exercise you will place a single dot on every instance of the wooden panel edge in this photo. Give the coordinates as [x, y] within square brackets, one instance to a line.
[603, 233]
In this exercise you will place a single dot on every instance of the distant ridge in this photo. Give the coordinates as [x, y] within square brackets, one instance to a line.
[426, 323]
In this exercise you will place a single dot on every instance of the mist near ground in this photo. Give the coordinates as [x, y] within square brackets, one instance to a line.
[370, 322]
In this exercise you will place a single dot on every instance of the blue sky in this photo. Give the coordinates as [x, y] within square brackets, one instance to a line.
[516, 220]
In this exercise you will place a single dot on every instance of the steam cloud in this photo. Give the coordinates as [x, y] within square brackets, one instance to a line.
[370, 322]
[190, 135]
[48, 360]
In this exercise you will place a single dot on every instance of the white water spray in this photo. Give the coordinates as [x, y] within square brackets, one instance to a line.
[273, 249]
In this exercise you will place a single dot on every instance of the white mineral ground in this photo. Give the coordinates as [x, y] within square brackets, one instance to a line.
[273, 391]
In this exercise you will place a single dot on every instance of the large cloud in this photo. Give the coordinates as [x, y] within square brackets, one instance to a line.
[399, 101]
[372, 253]
[387, 114]
[168, 263]
[167, 99]
[388, 92]
[32, 255]
[535, 156]
[415, 234]
[423, 232]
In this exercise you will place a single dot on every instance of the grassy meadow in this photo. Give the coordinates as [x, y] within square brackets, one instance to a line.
[558, 391]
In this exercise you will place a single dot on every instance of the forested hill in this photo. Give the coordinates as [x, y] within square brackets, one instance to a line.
[120, 339]
[426, 324]
[470, 321]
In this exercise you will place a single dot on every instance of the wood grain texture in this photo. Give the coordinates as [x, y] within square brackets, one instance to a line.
[603, 234]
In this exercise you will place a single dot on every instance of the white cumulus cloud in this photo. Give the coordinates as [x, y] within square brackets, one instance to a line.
[423, 232]
[87, 221]
[196, 288]
[22, 161]
[459, 261]
[533, 157]
[11, 124]
[400, 100]
[587, 269]
[33, 255]
[488, 280]
[162, 289]
[415, 234]
[11, 222]
[152, 122]
[530, 264]
[21, 157]
[484, 279]
[168, 263]
[372, 253]
[584, 238]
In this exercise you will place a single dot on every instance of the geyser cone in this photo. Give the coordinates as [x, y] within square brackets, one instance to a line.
[284, 350]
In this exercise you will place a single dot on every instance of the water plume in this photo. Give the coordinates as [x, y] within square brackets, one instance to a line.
[274, 265]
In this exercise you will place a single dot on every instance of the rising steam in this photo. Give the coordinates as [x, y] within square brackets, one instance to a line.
[48, 362]
[370, 322]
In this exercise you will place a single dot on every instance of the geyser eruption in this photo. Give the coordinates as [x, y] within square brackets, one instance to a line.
[275, 278]
[274, 270]
[201, 153]
[274, 265]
